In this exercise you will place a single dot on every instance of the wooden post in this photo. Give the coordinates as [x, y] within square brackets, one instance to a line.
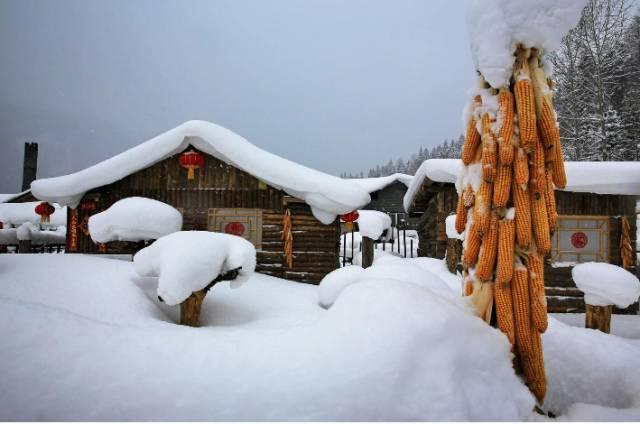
[367, 252]
[454, 254]
[599, 318]
[24, 246]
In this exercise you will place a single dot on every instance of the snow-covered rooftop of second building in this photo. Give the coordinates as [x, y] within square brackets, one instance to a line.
[327, 195]
[378, 183]
[621, 178]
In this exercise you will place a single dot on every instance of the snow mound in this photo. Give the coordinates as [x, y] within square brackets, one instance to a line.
[589, 366]
[17, 214]
[134, 219]
[373, 223]
[327, 195]
[497, 26]
[605, 284]
[378, 183]
[333, 283]
[188, 261]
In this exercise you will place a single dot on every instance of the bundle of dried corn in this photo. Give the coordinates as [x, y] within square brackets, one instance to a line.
[508, 210]
[626, 250]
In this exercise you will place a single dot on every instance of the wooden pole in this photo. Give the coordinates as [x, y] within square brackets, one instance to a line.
[599, 318]
[24, 246]
[367, 252]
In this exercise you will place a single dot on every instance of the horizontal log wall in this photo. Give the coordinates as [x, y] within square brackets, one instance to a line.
[219, 185]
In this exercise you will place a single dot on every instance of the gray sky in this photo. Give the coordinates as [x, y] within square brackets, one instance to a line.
[335, 85]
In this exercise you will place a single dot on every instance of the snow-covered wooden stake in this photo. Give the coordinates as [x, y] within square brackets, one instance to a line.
[24, 246]
[599, 317]
[190, 308]
[367, 252]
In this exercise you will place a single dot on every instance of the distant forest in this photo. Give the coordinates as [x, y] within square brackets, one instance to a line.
[597, 91]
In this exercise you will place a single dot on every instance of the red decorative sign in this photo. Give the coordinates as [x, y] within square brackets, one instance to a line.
[235, 228]
[579, 240]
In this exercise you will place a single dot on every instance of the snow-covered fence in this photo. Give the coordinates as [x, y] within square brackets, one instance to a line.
[402, 243]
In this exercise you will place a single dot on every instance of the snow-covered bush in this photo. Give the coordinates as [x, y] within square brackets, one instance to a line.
[187, 261]
[605, 284]
[134, 219]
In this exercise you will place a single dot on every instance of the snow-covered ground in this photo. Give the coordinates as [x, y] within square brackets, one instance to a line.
[84, 338]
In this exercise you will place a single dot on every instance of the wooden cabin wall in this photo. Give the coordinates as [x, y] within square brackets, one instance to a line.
[219, 185]
[390, 200]
[431, 229]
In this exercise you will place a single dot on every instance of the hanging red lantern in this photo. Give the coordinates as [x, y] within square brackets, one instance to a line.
[350, 217]
[45, 210]
[191, 160]
[88, 205]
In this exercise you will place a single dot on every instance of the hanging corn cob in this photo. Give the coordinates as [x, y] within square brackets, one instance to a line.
[626, 250]
[287, 237]
[509, 210]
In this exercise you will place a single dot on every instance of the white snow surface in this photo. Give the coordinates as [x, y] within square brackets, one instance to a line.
[582, 177]
[373, 223]
[605, 284]
[135, 219]
[327, 195]
[17, 214]
[5, 196]
[187, 261]
[378, 183]
[450, 225]
[387, 350]
[497, 26]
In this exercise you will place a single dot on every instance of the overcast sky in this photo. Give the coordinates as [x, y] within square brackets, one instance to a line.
[335, 85]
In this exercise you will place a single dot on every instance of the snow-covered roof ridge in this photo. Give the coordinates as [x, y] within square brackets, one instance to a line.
[326, 194]
[378, 183]
[621, 178]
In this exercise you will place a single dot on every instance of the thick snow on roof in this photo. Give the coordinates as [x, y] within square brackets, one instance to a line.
[135, 219]
[497, 26]
[605, 284]
[582, 177]
[19, 213]
[327, 195]
[378, 183]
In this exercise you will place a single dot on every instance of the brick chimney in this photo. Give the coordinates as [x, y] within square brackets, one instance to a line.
[30, 166]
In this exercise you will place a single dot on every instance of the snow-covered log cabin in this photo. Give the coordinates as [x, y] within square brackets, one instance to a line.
[219, 182]
[387, 194]
[599, 196]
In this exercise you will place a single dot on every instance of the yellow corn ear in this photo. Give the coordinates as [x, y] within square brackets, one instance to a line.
[504, 309]
[521, 309]
[548, 130]
[533, 367]
[469, 196]
[502, 187]
[550, 203]
[535, 267]
[505, 134]
[521, 168]
[506, 245]
[461, 215]
[522, 204]
[536, 168]
[526, 107]
[482, 207]
[489, 150]
[472, 246]
[471, 142]
[540, 223]
[488, 251]
[559, 175]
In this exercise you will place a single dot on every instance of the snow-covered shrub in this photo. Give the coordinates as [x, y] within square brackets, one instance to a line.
[134, 219]
[187, 261]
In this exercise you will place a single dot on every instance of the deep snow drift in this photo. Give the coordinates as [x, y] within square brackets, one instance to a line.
[94, 344]
[134, 219]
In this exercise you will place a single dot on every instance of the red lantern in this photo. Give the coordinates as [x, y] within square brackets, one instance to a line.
[88, 205]
[191, 160]
[45, 210]
[350, 217]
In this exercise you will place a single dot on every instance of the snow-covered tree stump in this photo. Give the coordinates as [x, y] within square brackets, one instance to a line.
[599, 318]
[367, 252]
